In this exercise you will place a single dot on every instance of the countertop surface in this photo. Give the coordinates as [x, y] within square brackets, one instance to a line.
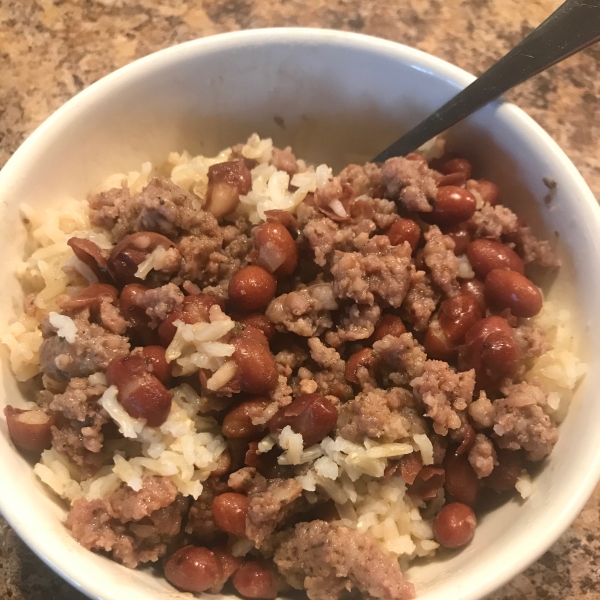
[51, 49]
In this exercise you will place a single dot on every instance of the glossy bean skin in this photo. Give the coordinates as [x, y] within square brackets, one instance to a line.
[457, 165]
[199, 305]
[140, 393]
[475, 289]
[251, 289]
[461, 480]
[30, 430]
[454, 526]
[466, 435]
[226, 181]
[510, 290]
[193, 569]
[485, 255]
[92, 295]
[506, 473]
[311, 415]
[238, 421]
[461, 237]
[410, 466]
[229, 512]
[490, 348]
[457, 315]
[265, 462]
[229, 565]
[489, 191]
[132, 305]
[436, 343]
[276, 250]
[257, 371]
[427, 483]
[223, 466]
[388, 325]
[452, 205]
[156, 363]
[167, 329]
[404, 230]
[361, 358]
[131, 251]
[261, 322]
[255, 579]
[91, 254]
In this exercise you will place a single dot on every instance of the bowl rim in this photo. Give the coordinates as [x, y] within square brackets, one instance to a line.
[415, 58]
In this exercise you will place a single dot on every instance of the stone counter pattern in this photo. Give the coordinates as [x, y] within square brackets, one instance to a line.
[50, 50]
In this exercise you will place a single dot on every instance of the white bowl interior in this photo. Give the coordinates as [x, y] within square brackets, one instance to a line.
[342, 98]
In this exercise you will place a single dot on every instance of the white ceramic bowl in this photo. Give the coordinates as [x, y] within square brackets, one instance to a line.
[342, 97]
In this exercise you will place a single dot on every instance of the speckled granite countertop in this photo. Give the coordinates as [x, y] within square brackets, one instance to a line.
[51, 49]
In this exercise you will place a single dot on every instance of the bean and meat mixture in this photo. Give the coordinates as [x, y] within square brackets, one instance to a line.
[369, 344]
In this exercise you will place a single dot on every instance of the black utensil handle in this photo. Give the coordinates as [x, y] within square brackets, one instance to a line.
[572, 27]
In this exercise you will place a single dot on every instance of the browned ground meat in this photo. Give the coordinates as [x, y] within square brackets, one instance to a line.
[482, 411]
[284, 160]
[135, 527]
[403, 355]
[92, 350]
[358, 323]
[420, 301]
[161, 301]
[327, 559]
[383, 415]
[200, 524]
[269, 507]
[520, 422]
[379, 271]
[411, 182]
[482, 456]
[365, 179]
[531, 340]
[445, 393]
[438, 254]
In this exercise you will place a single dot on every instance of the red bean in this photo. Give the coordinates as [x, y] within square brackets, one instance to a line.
[265, 462]
[462, 482]
[475, 289]
[275, 249]
[157, 363]
[417, 158]
[131, 303]
[91, 295]
[238, 421]
[436, 342]
[132, 250]
[286, 218]
[229, 563]
[457, 315]
[461, 237]
[311, 415]
[410, 466]
[428, 482]
[388, 325]
[223, 464]
[466, 435]
[452, 205]
[257, 371]
[404, 230]
[506, 473]
[255, 579]
[485, 255]
[361, 358]
[167, 329]
[229, 512]
[251, 289]
[489, 192]
[457, 165]
[491, 350]
[199, 305]
[226, 181]
[454, 526]
[30, 430]
[261, 322]
[508, 289]
[141, 394]
[456, 179]
[193, 569]
[90, 253]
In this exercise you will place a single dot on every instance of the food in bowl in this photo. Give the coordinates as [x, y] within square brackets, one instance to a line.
[260, 373]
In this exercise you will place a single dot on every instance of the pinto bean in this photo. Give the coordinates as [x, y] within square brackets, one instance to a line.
[485, 255]
[457, 315]
[475, 289]
[30, 430]
[361, 358]
[251, 289]
[229, 512]
[454, 526]
[404, 230]
[461, 480]
[490, 348]
[92, 255]
[452, 205]
[193, 569]
[226, 181]
[92, 295]
[310, 415]
[132, 250]
[275, 249]
[257, 371]
[457, 165]
[140, 393]
[506, 473]
[255, 579]
[508, 289]
[461, 237]
[238, 421]
[261, 322]
[388, 325]
[489, 192]
[156, 363]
